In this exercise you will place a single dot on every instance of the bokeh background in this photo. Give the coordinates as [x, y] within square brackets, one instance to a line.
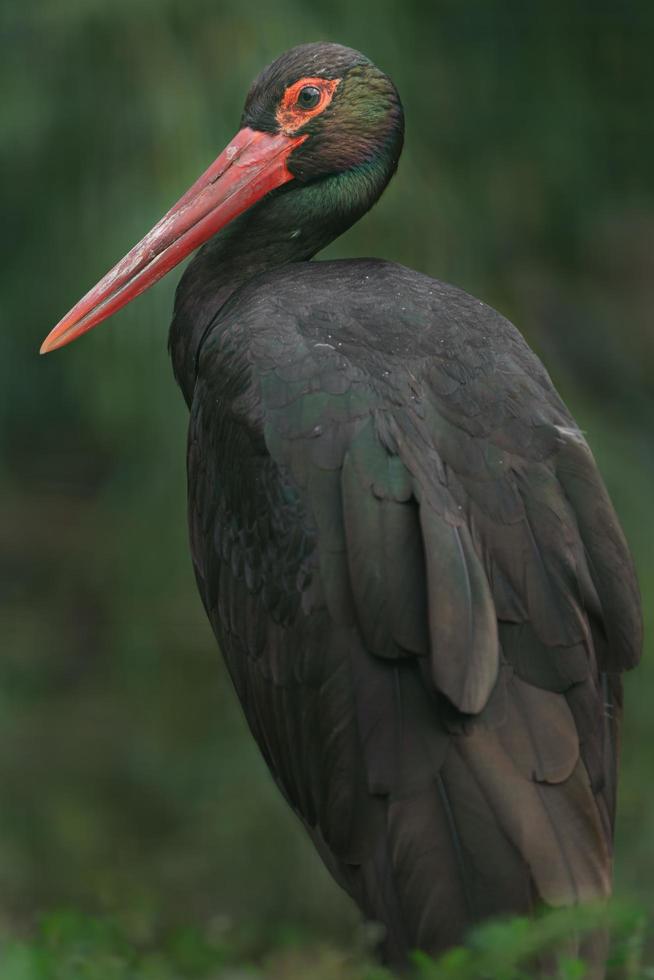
[128, 781]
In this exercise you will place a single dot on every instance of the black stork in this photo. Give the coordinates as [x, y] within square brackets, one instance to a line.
[407, 554]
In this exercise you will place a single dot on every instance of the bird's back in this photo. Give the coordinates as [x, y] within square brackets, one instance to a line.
[421, 590]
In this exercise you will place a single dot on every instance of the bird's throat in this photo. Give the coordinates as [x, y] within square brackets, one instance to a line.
[290, 225]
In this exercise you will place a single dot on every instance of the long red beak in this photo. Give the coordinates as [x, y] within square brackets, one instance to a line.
[253, 164]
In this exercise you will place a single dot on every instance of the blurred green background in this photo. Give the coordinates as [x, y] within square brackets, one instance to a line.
[128, 781]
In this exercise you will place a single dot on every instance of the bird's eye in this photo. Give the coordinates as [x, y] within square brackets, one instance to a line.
[308, 97]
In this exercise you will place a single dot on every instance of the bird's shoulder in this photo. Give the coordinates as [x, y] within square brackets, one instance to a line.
[373, 304]
[354, 337]
[343, 322]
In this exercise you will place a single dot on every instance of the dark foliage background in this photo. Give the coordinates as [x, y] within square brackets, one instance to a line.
[128, 780]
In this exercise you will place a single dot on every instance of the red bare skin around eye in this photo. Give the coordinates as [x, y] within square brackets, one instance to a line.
[291, 116]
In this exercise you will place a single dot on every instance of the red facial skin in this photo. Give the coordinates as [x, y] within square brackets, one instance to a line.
[291, 116]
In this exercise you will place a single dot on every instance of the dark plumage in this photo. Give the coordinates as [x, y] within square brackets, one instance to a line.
[404, 547]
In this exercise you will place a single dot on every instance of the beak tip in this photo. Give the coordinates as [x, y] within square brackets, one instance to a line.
[54, 340]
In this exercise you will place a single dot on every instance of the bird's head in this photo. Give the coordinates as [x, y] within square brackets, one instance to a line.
[321, 115]
[344, 112]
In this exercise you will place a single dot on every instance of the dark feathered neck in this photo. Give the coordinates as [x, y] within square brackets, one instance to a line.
[291, 225]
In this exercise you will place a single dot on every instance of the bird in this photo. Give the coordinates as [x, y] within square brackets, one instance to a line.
[406, 552]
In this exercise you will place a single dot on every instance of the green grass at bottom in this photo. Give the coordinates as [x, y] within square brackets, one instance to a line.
[69, 945]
